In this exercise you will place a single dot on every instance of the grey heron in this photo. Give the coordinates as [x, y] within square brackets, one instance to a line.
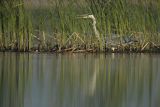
[114, 39]
[96, 32]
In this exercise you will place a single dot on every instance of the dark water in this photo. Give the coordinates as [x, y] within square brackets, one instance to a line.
[79, 80]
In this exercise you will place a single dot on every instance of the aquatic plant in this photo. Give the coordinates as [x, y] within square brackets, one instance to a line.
[15, 26]
[53, 25]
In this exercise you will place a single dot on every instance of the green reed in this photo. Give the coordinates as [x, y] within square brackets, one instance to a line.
[26, 26]
[14, 26]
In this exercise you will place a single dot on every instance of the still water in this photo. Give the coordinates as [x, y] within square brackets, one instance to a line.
[79, 80]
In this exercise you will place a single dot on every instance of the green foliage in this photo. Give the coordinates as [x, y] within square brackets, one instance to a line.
[14, 26]
[58, 18]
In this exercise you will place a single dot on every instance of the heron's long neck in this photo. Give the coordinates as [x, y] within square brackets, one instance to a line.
[95, 29]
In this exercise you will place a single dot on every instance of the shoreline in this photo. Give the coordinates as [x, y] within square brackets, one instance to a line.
[87, 51]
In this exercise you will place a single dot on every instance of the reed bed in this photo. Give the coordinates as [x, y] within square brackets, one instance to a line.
[54, 26]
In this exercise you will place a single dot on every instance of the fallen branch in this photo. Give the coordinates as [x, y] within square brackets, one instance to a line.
[144, 46]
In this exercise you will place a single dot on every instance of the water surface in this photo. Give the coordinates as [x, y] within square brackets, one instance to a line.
[79, 80]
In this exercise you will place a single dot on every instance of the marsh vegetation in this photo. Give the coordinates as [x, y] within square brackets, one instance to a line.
[34, 25]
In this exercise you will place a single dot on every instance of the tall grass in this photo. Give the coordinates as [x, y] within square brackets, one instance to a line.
[25, 26]
[15, 27]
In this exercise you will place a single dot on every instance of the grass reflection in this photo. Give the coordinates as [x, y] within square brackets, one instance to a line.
[15, 73]
[76, 80]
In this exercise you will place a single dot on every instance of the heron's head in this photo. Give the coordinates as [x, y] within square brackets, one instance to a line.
[87, 17]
